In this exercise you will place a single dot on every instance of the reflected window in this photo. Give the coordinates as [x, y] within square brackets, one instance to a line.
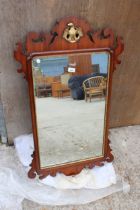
[101, 60]
[51, 66]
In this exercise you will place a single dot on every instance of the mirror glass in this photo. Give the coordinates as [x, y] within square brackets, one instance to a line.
[70, 94]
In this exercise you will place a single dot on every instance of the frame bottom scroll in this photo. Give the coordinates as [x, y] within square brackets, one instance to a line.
[70, 169]
[32, 172]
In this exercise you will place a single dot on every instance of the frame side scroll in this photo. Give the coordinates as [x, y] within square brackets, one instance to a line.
[118, 50]
[22, 58]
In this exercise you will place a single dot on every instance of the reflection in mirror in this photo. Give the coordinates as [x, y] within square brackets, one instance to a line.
[70, 99]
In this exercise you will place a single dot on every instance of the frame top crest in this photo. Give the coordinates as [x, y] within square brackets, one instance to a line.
[70, 33]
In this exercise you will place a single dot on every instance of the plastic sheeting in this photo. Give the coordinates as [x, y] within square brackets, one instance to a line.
[96, 178]
[15, 185]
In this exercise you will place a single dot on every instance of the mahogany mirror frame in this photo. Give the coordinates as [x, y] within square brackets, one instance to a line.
[56, 43]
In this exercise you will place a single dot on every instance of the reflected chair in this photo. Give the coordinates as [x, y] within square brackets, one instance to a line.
[43, 86]
[64, 90]
[94, 86]
[60, 88]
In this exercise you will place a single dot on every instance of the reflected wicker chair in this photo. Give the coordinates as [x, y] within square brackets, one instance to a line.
[94, 86]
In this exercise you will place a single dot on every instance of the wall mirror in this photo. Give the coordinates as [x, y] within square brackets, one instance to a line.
[69, 72]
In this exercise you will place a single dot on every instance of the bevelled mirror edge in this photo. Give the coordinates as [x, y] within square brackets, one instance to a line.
[59, 41]
[38, 59]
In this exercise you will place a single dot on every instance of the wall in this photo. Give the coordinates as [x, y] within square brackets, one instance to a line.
[19, 17]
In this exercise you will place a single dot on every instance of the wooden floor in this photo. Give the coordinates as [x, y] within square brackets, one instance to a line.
[67, 126]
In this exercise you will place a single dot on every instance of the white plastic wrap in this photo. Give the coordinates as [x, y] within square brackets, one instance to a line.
[96, 178]
[59, 190]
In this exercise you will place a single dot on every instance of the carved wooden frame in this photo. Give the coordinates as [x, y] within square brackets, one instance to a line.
[39, 44]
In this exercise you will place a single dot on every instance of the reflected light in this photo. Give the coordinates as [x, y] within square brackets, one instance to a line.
[38, 60]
